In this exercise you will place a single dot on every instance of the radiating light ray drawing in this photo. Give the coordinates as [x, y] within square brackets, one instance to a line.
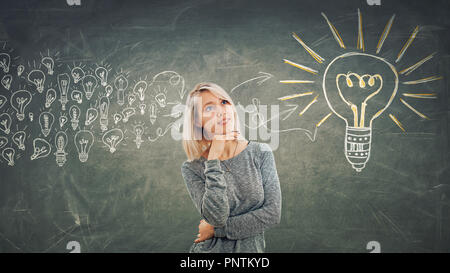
[334, 31]
[424, 80]
[41, 148]
[316, 56]
[407, 44]
[37, 77]
[46, 120]
[385, 33]
[61, 141]
[8, 155]
[410, 69]
[83, 141]
[5, 123]
[296, 96]
[112, 138]
[63, 84]
[19, 139]
[19, 101]
[360, 43]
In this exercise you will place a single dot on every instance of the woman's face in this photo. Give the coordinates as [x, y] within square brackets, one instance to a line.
[217, 115]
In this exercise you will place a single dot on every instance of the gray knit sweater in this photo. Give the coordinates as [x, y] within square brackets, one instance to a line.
[240, 197]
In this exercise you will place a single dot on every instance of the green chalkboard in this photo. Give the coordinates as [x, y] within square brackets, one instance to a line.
[94, 90]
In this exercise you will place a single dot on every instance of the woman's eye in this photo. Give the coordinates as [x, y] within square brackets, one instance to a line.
[208, 108]
[225, 101]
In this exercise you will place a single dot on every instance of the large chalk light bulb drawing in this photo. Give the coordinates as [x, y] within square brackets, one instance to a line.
[41, 148]
[112, 138]
[367, 96]
[360, 87]
[83, 141]
[61, 140]
[19, 101]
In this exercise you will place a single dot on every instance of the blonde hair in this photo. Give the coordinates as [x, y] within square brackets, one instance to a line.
[192, 133]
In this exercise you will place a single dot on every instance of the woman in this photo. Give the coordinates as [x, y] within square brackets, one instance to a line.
[233, 182]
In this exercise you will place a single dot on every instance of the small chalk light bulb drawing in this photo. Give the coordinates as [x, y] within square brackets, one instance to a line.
[61, 140]
[20, 70]
[121, 84]
[50, 97]
[62, 120]
[49, 64]
[104, 108]
[6, 81]
[5, 123]
[140, 88]
[89, 85]
[112, 138]
[138, 131]
[46, 120]
[77, 96]
[91, 116]
[5, 61]
[8, 155]
[83, 141]
[77, 74]
[19, 139]
[41, 148]
[359, 87]
[3, 141]
[63, 84]
[3, 101]
[74, 113]
[102, 73]
[37, 77]
[19, 101]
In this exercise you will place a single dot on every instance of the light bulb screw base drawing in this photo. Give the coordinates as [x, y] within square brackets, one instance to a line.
[83, 157]
[357, 146]
[61, 158]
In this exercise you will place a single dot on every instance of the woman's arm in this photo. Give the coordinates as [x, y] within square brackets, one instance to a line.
[269, 214]
[210, 197]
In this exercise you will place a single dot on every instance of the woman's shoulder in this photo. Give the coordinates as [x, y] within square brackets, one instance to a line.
[260, 147]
